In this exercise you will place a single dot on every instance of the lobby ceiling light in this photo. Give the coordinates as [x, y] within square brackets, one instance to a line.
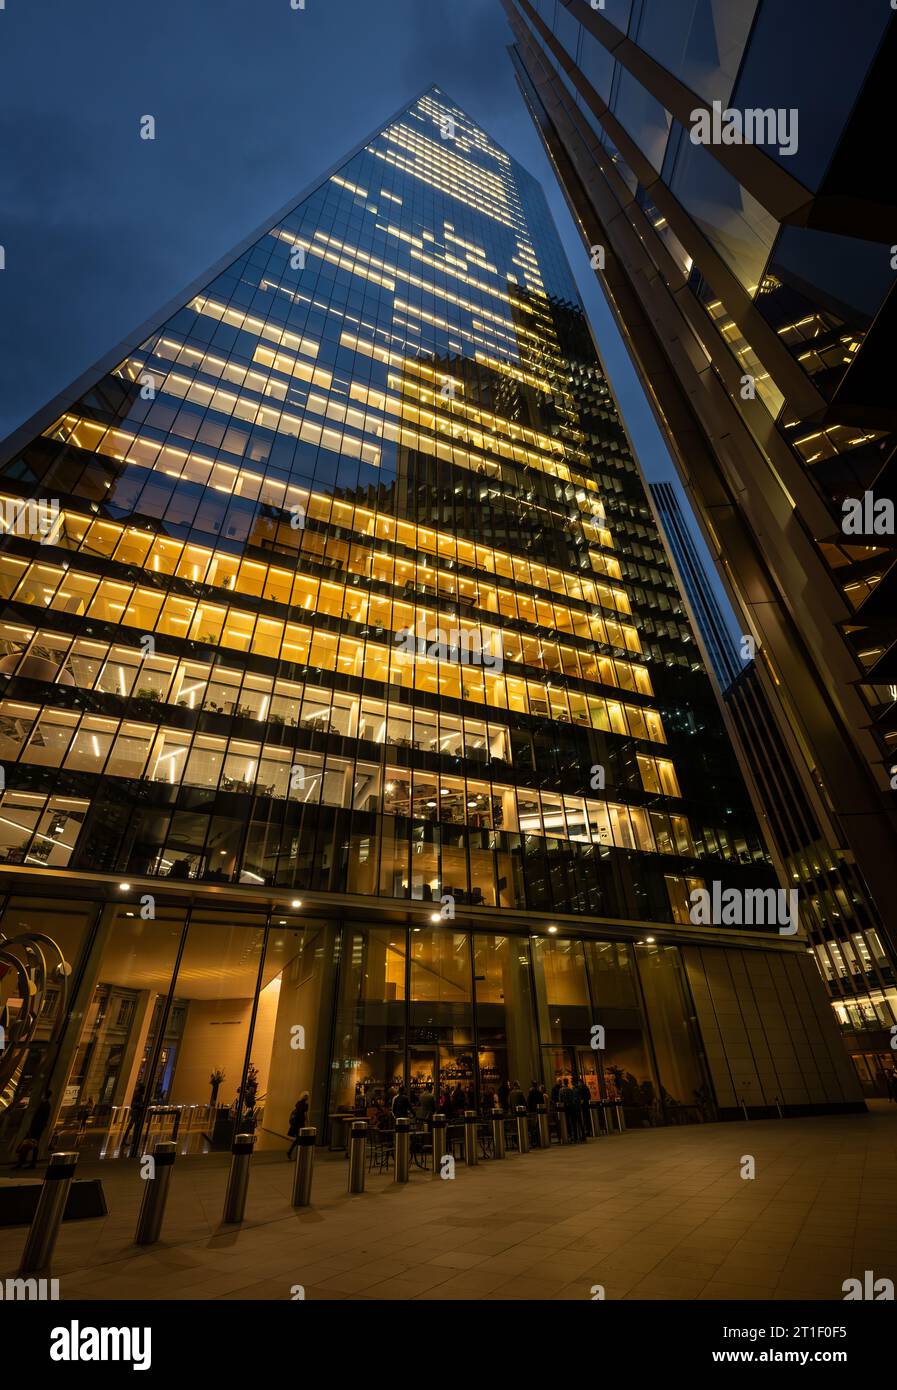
[124, 887]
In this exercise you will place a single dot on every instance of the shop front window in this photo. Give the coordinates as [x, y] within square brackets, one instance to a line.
[441, 1039]
[368, 1063]
[506, 1035]
[203, 1082]
[291, 1036]
[107, 1096]
[623, 1064]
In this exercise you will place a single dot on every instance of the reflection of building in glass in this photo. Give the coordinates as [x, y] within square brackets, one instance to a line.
[705, 606]
[854, 965]
[755, 292]
[383, 413]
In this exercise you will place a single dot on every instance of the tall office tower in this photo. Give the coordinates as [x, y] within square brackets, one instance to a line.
[710, 622]
[854, 965]
[716, 157]
[353, 735]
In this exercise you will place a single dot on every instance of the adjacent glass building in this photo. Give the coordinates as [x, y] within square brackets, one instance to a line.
[710, 621]
[352, 729]
[754, 287]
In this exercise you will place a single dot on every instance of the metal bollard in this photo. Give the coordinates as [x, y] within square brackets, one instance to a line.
[47, 1219]
[155, 1193]
[522, 1130]
[613, 1116]
[238, 1178]
[542, 1114]
[562, 1125]
[498, 1133]
[595, 1119]
[305, 1167]
[439, 1123]
[470, 1137]
[403, 1148]
[357, 1145]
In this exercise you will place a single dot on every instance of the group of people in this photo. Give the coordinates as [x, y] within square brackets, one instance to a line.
[573, 1099]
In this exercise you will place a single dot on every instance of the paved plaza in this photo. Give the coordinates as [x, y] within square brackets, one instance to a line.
[655, 1213]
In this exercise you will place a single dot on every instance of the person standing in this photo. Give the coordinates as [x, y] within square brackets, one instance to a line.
[427, 1106]
[504, 1092]
[135, 1118]
[569, 1102]
[516, 1097]
[298, 1119]
[401, 1106]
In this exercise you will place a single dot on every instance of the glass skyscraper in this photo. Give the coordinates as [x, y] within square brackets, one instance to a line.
[722, 651]
[752, 281]
[352, 728]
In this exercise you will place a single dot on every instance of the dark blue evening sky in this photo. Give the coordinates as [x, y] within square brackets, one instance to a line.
[252, 99]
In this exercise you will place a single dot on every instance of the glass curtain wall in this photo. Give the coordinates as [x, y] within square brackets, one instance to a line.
[466, 1015]
[196, 1025]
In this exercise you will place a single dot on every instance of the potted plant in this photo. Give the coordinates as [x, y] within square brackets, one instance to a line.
[252, 1086]
[215, 1081]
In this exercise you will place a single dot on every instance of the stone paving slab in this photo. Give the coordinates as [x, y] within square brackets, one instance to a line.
[650, 1214]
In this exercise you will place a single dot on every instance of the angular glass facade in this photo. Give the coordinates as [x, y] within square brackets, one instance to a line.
[752, 284]
[348, 584]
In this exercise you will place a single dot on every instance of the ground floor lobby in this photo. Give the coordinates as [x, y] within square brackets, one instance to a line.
[649, 1214]
[146, 1018]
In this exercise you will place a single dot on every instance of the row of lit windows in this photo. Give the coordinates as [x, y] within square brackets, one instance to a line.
[195, 685]
[434, 420]
[451, 386]
[109, 600]
[489, 337]
[421, 158]
[43, 831]
[120, 748]
[373, 422]
[209, 472]
[222, 569]
[386, 273]
[146, 452]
